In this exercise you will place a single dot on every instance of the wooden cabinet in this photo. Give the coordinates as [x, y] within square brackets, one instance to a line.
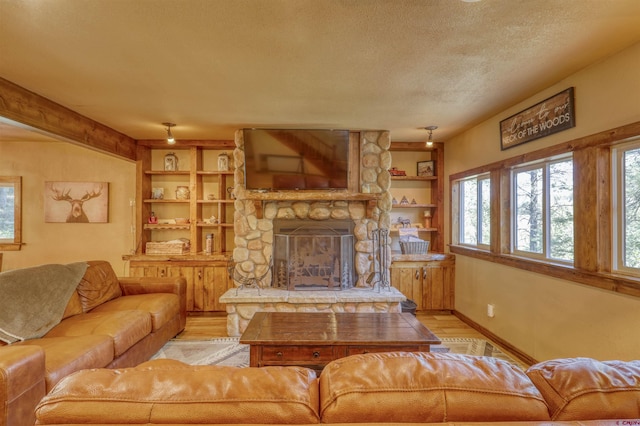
[164, 175]
[207, 278]
[428, 280]
[422, 193]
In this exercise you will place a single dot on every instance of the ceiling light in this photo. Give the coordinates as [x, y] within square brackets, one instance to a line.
[429, 142]
[170, 139]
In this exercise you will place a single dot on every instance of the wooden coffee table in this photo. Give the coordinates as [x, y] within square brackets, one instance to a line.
[312, 339]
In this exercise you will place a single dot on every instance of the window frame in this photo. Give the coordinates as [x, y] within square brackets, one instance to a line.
[545, 165]
[458, 202]
[618, 191]
[16, 243]
[593, 240]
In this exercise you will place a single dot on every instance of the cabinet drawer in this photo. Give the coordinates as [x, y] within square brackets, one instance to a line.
[355, 350]
[297, 353]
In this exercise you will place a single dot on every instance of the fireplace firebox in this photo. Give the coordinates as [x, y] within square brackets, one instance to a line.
[313, 256]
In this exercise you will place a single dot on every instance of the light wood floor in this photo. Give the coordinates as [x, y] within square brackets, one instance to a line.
[210, 325]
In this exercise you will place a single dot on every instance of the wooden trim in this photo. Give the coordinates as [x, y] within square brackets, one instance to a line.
[412, 146]
[34, 112]
[508, 346]
[601, 139]
[604, 210]
[500, 231]
[616, 283]
[437, 197]
[355, 144]
[188, 143]
[585, 220]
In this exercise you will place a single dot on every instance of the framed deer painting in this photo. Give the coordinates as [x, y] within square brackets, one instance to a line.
[76, 202]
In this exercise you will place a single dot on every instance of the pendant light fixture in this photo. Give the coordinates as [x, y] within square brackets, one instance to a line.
[429, 142]
[170, 139]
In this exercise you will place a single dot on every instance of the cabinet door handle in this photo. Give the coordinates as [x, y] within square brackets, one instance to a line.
[424, 274]
[199, 275]
[279, 354]
[417, 274]
[316, 354]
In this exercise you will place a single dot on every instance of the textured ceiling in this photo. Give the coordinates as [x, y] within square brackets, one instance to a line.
[213, 66]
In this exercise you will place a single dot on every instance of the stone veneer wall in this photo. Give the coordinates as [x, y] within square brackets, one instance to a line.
[254, 235]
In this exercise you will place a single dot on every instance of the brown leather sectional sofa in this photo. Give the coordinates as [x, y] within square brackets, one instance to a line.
[383, 388]
[109, 322]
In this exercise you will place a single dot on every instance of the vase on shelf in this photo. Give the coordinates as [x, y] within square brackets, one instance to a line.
[427, 218]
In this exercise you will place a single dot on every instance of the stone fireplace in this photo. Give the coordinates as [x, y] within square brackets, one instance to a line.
[282, 240]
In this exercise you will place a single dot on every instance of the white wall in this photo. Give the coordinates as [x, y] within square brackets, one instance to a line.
[542, 316]
[38, 162]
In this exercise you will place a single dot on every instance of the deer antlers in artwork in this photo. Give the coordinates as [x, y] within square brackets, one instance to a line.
[76, 214]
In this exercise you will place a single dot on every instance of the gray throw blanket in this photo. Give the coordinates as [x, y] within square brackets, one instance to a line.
[33, 300]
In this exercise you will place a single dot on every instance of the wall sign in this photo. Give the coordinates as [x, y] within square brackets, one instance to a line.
[550, 116]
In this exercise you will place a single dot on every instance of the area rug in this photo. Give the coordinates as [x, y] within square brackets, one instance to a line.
[228, 351]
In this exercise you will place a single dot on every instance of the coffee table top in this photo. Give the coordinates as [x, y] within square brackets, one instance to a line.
[319, 328]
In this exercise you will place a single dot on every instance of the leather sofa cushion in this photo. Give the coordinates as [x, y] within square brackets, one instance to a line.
[74, 307]
[586, 389]
[163, 307]
[401, 387]
[64, 355]
[98, 285]
[168, 391]
[126, 328]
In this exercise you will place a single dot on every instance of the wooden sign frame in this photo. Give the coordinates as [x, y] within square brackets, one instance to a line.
[554, 114]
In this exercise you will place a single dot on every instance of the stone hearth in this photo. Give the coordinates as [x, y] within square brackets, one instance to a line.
[243, 303]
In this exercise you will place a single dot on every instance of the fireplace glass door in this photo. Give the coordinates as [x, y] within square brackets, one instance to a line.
[313, 257]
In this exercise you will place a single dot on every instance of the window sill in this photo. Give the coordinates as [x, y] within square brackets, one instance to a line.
[602, 280]
[10, 246]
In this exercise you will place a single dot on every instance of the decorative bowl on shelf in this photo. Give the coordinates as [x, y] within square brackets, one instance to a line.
[181, 220]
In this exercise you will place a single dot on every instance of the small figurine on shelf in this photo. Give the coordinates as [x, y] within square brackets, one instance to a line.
[170, 162]
[223, 162]
[427, 218]
[153, 218]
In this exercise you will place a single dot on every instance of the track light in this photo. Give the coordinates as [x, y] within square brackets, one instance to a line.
[429, 142]
[170, 139]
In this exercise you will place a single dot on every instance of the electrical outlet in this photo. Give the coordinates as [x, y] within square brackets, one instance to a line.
[491, 310]
[132, 202]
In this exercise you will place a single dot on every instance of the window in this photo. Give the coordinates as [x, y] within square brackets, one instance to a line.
[10, 213]
[534, 225]
[543, 210]
[474, 211]
[626, 204]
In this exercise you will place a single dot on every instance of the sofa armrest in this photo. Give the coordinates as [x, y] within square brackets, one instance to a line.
[22, 383]
[145, 285]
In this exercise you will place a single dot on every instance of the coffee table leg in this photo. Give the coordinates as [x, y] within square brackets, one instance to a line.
[255, 355]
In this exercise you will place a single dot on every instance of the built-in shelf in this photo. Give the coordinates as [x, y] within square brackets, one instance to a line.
[420, 230]
[414, 206]
[215, 225]
[414, 178]
[164, 200]
[162, 226]
[167, 173]
[213, 172]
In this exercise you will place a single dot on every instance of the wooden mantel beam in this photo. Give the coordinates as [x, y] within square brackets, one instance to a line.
[32, 111]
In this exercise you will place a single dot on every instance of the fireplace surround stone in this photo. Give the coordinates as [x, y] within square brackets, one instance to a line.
[367, 204]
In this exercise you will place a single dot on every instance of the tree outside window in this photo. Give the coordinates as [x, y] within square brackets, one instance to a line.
[474, 208]
[10, 213]
[543, 210]
[627, 231]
